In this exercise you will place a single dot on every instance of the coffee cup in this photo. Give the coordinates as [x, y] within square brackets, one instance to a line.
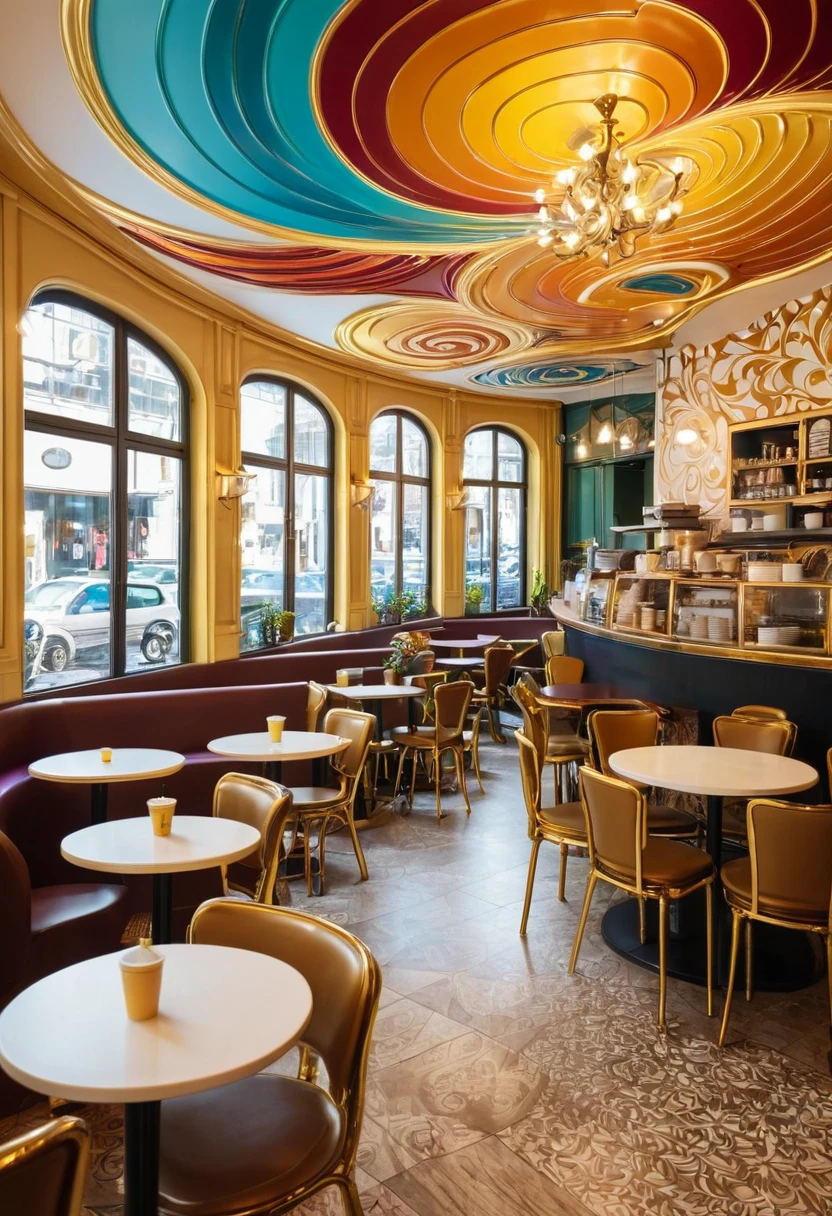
[728, 563]
[813, 520]
[704, 561]
[141, 978]
[792, 572]
[739, 524]
[770, 523]
[275, 723]
[342, 678]
[106, 755]
[161, 814]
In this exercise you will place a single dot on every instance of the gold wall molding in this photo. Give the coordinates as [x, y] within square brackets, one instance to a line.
[780, 365]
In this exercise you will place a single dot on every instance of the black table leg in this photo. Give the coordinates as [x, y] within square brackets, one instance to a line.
[98, 803]
[141, 1158]
[162, 911]
[713, 846]
[274, 770]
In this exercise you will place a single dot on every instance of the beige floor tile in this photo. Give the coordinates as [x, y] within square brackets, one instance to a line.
[405, 1029]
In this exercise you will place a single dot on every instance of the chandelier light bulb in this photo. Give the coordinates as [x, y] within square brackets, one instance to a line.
[544, 239]
[586, 152]
[571, 239]
[664, 215]
[565, 177]
[676, 207]
[630, 202]
[639, 215]
[629, 173]
[582, 451]
[605, 434]
[625, 442]
[678, 166]
[540, 196]
[543, 214]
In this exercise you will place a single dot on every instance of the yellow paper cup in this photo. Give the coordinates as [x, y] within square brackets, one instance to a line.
[161, 814]
[275, 723]
[141, 977]
[342, 678]
[106, 755]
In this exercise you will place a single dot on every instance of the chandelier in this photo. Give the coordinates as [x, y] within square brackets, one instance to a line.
[610, 200]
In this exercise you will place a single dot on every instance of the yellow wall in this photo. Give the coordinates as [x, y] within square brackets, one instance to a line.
[51, 239]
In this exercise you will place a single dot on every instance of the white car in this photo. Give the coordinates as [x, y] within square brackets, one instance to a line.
[74, 613]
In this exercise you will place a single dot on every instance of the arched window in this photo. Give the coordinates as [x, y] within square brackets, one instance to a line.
[400, 536]
[287, 513]
[106, 494]
[494, 475]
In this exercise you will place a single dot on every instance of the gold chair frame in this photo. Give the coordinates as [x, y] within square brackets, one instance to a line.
[749, 915]
[350, 1098]
[437, 740]
[271, 834]
[665, 893]
[493, 695]
[471, 745]
[536, 719]
[34, 1147]
[778, 730]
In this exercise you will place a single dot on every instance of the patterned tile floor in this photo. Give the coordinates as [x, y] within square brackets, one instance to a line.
[503, 1087]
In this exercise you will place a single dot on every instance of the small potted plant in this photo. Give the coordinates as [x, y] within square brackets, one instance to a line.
[539, 598]
[270, 614]
[473, 599]
[286, 626]
[404, 650]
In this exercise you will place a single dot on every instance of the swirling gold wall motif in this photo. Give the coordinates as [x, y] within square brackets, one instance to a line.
[781, 365]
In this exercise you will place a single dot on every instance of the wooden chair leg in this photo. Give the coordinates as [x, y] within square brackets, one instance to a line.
[564, 853]
[524, 920]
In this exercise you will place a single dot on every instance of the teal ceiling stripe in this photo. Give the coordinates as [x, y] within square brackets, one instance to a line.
[217, 93]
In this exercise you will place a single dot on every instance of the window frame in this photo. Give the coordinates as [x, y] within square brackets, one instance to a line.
[121, 441]
[494, 485]
[401, 479]
[290, 467]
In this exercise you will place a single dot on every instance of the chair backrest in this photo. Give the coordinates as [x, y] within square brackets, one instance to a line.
[15, 918]
[317, 702]
[553, 643]
[563, 669]
[535, 726]
[43, 1172]
[765, 712]
[359, 728]
[758, 735]
[498, 659]
[421, 663]
[531, 766]
[791, 857]
[614, 730]
[452, 703]
[616, 824]
[344, 977]
[263, 805]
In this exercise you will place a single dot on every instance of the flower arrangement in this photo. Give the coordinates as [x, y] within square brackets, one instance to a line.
[405, 647]
[392, 609]
[276, 624]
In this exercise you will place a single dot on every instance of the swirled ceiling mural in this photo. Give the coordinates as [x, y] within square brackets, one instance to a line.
[554, 375]
[392, 148]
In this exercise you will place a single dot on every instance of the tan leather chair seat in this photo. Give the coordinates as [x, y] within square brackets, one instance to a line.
[669, 819]
[671, 863]
[736, 878]
[314, 796]
[250, 1143]
[567, 816]
[561, 746]
[413, 736]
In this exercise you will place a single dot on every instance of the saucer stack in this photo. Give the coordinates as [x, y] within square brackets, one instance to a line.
[699, 627]
[720, 629]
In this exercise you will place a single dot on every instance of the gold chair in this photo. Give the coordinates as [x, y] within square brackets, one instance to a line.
[562, 825]
[766, 713]
[447, 735]
[622, 854]
[776, 736]
[786, 880]
[263, 805]
[563, 669]
[43, 1172]
[268, 1143]
[553, 643]
[471, 746]
[562, 749]
[428, 680]
[317, 702]
[497, 661]
[327, 809]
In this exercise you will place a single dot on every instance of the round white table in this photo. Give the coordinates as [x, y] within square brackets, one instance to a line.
[463, 644]
[224, 1014]
[295, 745]
[87, 768]
[128, 846]
[713, 773]
[375, 694]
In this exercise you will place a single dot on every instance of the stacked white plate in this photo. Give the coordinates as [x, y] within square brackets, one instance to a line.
[789, 635]
[765, 572]
[720, 628]
[699, 627]
[768, 635]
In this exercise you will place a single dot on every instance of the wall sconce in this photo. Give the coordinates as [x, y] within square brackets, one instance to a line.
[233, 483]
[686, 436]
[361, 493]
[459, 500]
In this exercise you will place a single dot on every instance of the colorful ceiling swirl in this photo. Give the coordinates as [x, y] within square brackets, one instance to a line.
[392, 147]
[554, 375]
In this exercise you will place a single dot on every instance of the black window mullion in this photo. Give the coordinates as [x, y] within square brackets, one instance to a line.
[119, 512]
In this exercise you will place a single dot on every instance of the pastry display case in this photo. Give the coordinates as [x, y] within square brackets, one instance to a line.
[779, 617]
[642, 604]
[706, 611]
[596, 598]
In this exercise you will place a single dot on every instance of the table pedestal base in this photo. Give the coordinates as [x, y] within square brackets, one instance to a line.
[784, 959]
[98, 803]
[141, 1158]
[162, 909]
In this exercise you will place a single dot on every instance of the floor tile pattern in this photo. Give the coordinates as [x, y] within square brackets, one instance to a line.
[501, 1086]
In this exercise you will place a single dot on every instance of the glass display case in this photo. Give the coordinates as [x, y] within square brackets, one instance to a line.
[780, 617]
[765, 461]
[706, 611]
[642, 604]
[596, 597]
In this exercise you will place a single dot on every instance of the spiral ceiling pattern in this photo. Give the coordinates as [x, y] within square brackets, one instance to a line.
[393, 146]
[553, 375]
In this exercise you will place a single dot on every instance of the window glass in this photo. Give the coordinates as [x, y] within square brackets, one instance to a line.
[510, 592]
[478, 462]
[383, 540]
[311, 552]
[478, 542]
[154, 528]
[311, 433]
[415, 540]
[509, 458]
[263, 419]
[68, 363]
[67, 544]
[414, 450]
[154, 401]
[383, 439]
[262, 542]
